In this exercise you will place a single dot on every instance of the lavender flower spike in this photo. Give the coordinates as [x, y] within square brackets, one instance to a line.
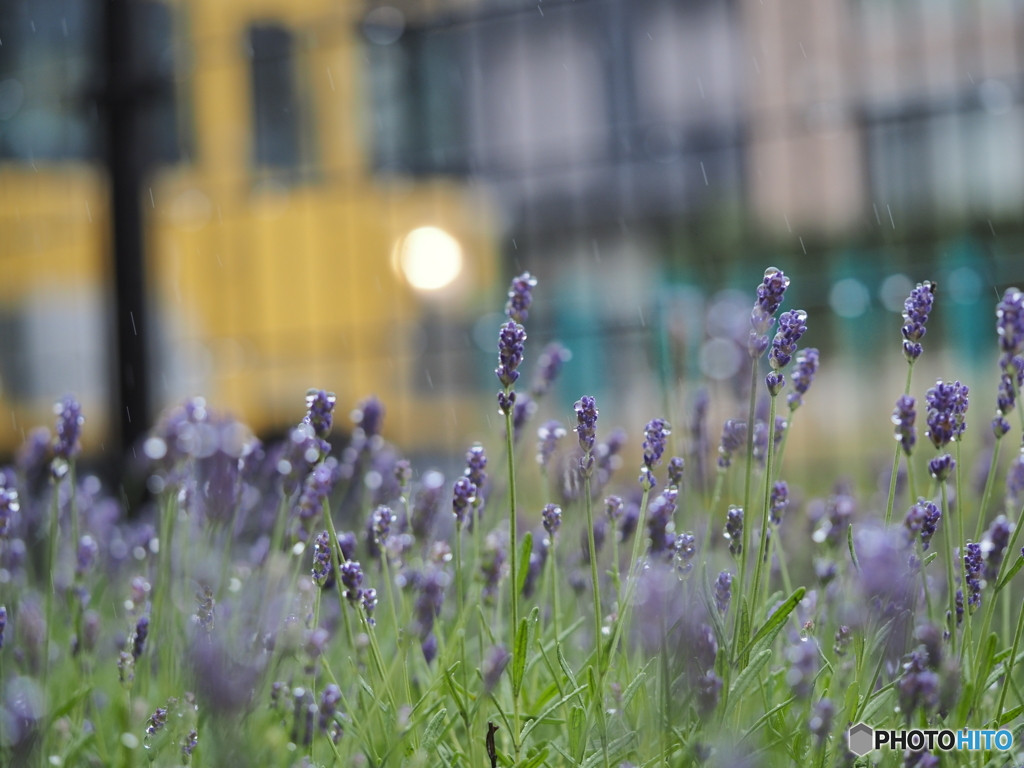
[769, 299]
[3, 624]
[586, 430]
[734, 435]
[548, 436]
[778, 501]
[1010, 323]
[320, 411]
[972, 573]
[904, 416]
[792, 326]
[684, 548]
[510, 353]
[734, 529]
[723, 592]
[321, 558]
[916, 309]
[463, 495]
[520, 297]
[552, 518]
[476, 464]
[655, 439]
[8, 506]
[802, 376]
[549, 365]
[69, 428]
[941, 466]
[994, 546]
[676, 465]
[947, 410]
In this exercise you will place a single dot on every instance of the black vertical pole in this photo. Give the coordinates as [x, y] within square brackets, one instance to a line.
[125, 165]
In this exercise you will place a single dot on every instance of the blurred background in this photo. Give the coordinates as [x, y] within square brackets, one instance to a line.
[246, 198]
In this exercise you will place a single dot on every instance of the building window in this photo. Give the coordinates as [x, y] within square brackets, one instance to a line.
[275, 101]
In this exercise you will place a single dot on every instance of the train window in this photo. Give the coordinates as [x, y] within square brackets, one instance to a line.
[275, 101]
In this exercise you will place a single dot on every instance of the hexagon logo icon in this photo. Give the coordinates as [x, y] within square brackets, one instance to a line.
[861, 739]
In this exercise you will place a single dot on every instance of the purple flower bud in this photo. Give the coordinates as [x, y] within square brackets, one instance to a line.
[156, 721]
[352, 579]
[647, 479]
[734, 435]
[778, 501]
[842, 640]
[586, 423]
[941, 466]
[3, 624]
[316, 488]
[381, 521]
[708, 689]
[426, 505]
[549, 365]
[994, 546]
[931, 515]
[684, 548]
[919, 686]
[510, 353]
[655, 439]
[676, 465]
[769, 297]
[476, 464]
[321, 558]
[973, 566]
[138, 638]
[734, 529]
[69, 428]
[1000, 427]
[613, 507]
[947, 409]
[506, 402]
[126, 669]
[403, 473]
[551, 516]
[723, 592]
[774, 382]
[188, 744]
[320, 411]
[1010, 322]
[495, 661]
[492, 564]
[369, 600]
[660, 520]
[630, 519]
[916, 309]
[548, 436]
[802, 376]
[329, 700]
[520, 297]
[792, 326]
[368, 417]
[463, 495]
[429, 648]
[903, 416]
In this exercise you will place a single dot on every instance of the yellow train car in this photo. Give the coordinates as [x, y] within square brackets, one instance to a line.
[276, 258]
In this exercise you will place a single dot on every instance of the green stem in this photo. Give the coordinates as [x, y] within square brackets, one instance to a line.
[989, 483]
[744, 555]
[947, 534]
[51, 568]
[1009, 664]
[632, 577]
[965, 647]
[594, 580]
[762, 550]
[896, 458]
[513, 546]
[715, 499]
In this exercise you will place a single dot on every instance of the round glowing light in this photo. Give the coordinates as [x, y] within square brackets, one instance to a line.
[430, 258]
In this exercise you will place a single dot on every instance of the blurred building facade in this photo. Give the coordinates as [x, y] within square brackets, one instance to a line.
[631, 152]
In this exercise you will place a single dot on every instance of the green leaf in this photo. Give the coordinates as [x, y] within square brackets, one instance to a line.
[1001, 657]
[614, 748]
[985, 658]
[566, 669]
[528, 728]
[519, 658]
[634, 686]
[434, 730]
[746, 678]
[929, 558]
[776, 620]
[766, 716]
[577, 733]
[1011, 715]
[525, 550]
[709, 603]
[849, 543]
[70, 703]
[536, 760]
[1018, 564]
[966, 697]
[874, 705]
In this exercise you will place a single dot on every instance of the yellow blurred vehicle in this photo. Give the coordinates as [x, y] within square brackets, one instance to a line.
[276, 259]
